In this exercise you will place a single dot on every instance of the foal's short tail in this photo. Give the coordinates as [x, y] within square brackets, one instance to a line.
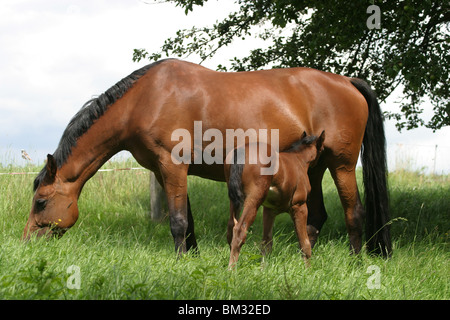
[373, 156]
[235, 192]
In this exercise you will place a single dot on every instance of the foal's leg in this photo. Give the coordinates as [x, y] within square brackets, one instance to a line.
[299, 214]
[234, 215]
[268, 221]
[255, 188]
[240, 231]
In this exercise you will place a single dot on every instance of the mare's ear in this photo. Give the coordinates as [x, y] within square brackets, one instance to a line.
[303, 135]
[50, 170]
[320, 140]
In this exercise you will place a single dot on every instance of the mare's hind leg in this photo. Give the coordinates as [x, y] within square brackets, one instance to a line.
[345, 180]
[317, 215]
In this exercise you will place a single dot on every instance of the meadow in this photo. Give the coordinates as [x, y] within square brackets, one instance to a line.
[116, 252]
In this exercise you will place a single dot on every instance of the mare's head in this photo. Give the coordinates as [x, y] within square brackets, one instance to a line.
[54, 209]
[309, 148]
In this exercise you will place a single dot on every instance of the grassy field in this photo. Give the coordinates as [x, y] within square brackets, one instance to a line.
[118, 253]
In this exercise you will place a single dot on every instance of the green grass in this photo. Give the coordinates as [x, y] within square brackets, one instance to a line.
[121, 254]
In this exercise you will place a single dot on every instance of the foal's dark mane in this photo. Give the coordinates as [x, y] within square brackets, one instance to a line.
[307, 140]
[89, 112]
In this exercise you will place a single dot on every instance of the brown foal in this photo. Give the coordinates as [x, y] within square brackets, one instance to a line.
[285, 189]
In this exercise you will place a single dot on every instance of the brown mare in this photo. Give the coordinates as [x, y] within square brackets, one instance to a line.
[141, 111]
[285, 189]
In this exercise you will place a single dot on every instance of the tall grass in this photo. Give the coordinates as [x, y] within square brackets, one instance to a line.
[121, 254]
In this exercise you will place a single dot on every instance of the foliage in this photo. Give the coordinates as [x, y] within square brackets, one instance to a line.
[411, 49]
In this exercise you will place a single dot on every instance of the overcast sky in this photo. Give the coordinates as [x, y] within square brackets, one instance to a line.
[56, 55]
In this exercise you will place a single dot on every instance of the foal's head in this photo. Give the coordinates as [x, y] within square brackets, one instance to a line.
[309, 147]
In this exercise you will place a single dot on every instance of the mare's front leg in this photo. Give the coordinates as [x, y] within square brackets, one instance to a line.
[299, 214]
[191, 241]
[175, 185]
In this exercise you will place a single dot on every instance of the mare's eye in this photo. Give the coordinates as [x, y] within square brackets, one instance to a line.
[40, 204]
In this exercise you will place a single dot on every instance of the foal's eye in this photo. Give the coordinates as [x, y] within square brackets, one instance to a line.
[40, 204]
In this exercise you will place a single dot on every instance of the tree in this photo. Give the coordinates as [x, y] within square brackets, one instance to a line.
[409, 47]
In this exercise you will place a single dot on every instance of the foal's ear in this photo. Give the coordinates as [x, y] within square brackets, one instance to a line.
[320, 140]
[303, 135]
[50, 169]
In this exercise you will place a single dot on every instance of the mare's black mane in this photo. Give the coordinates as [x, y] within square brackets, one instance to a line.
[89, 112]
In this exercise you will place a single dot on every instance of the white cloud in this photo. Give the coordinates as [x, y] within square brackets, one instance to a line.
[54, 55]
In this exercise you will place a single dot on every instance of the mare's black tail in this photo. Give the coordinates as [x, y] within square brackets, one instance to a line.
[373, 156]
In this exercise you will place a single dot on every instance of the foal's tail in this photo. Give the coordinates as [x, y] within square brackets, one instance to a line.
[235, 192]
[373, 156]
